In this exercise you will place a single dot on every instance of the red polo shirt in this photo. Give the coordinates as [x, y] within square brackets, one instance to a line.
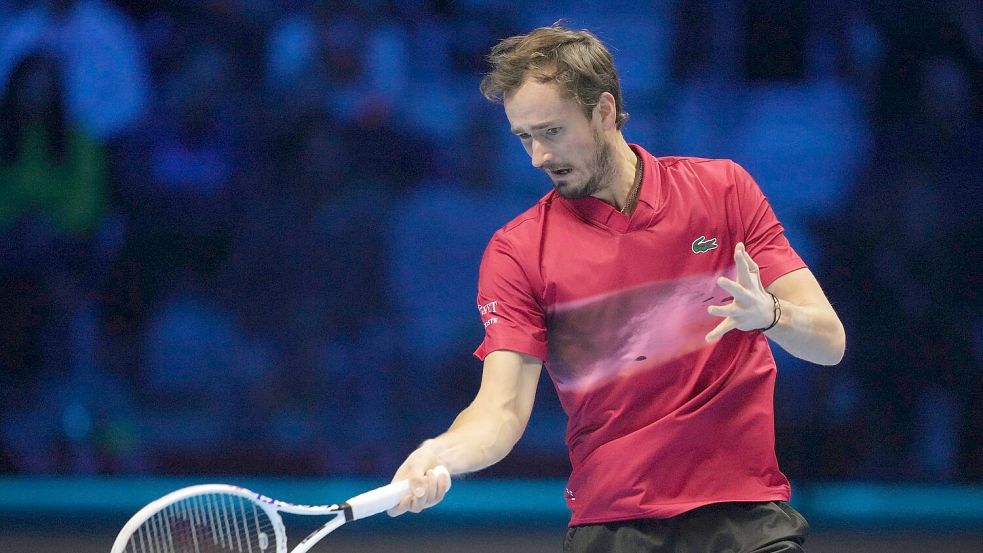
[659, 421]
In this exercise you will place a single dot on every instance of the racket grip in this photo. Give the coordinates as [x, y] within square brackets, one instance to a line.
[382, 499]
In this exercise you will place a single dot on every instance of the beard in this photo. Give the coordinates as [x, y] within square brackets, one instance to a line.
[600, 170]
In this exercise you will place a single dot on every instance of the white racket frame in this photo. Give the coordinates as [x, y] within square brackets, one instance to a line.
[363, 505]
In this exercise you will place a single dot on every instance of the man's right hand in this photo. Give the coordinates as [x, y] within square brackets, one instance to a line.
[427, 487]
[481, 435]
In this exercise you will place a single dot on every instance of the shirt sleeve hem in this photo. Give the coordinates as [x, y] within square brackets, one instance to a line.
[777, 271]
[527, 347]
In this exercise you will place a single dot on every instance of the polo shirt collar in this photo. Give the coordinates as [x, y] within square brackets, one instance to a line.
[650, 199]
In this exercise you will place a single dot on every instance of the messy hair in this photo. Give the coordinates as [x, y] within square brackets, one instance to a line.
[576, 60]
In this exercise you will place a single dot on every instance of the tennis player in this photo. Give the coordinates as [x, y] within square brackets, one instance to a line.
[650, 287]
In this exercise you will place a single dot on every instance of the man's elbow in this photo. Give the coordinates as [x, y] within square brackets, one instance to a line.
[837, 347]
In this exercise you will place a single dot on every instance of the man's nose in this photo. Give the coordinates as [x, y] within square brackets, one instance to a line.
[540, 155]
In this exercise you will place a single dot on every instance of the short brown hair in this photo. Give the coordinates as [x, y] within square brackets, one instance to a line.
[576, 60]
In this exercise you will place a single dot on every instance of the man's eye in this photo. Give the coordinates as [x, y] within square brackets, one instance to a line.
[553, 131]
[523, 136]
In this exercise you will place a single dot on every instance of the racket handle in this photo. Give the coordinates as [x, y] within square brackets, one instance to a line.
[384, 498]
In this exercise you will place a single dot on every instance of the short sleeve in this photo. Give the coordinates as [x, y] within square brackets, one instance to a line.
[764, 237]
[508, 306]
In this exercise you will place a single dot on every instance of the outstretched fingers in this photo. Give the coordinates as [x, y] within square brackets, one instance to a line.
[736, 289]
[724, 327]
[748, 272]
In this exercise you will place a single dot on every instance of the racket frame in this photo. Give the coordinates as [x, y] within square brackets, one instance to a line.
[361, 506]
[271, 507]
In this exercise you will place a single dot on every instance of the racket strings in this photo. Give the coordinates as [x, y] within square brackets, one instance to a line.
[212, 523]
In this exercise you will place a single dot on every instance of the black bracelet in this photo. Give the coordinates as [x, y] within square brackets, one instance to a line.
[778, 313]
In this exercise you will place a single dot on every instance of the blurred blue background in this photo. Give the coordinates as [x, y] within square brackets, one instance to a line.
[242, 236]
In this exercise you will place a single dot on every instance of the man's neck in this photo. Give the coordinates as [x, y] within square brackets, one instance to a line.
[626, 167]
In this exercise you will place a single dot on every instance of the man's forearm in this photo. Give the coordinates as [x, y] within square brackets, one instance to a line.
[810, 332]
[477, 439]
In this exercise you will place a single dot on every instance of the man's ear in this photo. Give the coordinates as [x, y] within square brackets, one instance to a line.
[606, 110]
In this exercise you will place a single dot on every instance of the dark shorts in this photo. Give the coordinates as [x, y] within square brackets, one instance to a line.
[767, 527]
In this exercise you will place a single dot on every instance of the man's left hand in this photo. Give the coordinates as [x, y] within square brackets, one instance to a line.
[753, 308]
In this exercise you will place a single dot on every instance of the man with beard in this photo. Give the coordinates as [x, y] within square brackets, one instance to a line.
[622, 281]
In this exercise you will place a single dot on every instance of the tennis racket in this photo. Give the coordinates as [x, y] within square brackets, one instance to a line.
[219, 518]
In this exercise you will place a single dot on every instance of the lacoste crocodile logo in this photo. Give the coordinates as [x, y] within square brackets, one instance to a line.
[702, 245]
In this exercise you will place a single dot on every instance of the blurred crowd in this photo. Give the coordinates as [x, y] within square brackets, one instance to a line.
[243, 235]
